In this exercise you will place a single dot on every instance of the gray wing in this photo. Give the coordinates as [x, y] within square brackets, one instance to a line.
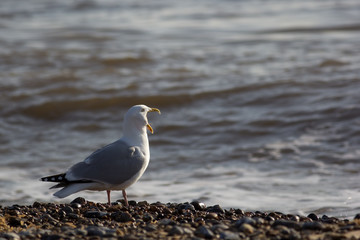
[112, 164]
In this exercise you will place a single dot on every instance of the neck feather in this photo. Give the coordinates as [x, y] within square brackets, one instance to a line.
[136, 137]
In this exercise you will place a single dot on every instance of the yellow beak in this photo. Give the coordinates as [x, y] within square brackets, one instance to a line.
[150, 128]
[148, 125]
[154, 110]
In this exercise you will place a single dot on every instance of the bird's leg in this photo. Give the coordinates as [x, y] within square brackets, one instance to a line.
[125, 198]
[108, 195]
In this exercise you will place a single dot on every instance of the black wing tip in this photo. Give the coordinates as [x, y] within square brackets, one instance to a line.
[54, 178]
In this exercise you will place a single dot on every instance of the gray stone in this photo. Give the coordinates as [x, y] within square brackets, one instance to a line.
[36, 205]
[227, 235]
[68, 209]
[148, 217]
[49, 218]
[246, 220]
[11, 236]
[313, 226]
[54, 237]
[166, 221]
[75, 205]
[95, 231]
[110, 232]
[188, 231]
[259, 220]
[122, 217]
[44, 231]
[81, 232]
[246, 228]
[219, 228]
[150, 227]
[95, 214]
[176, 230]
[313, 217]
[199, 205]
[286, 223]
[73, 216]
[15, 222]
[187, 206]
[204, 232]
[216, 209]
[79, 200]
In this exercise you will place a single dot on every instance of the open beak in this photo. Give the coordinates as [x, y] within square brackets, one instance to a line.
[150, 128]
[154, 110]
[148, 125]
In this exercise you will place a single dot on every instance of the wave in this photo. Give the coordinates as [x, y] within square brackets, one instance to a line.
[50, 110]
[340, 28]
[53, 109]
[69, 100]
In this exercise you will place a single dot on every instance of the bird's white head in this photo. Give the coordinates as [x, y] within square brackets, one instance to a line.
[136, 117]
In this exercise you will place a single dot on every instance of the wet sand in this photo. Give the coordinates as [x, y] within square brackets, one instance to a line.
[83, 219]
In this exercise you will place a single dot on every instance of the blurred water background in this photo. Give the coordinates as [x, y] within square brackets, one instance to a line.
[260, 100]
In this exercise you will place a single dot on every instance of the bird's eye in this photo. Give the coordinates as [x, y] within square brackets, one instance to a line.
[143, 110]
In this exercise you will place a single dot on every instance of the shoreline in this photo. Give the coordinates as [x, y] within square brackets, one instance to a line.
[83, 219]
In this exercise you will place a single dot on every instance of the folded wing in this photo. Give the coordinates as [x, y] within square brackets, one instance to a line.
[113, 164]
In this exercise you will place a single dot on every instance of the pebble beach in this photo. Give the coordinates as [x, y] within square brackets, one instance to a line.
[83, 219]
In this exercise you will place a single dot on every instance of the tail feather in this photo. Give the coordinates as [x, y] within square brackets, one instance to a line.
[55, 178]
[71, 189]
[62, 181]
[60, 185]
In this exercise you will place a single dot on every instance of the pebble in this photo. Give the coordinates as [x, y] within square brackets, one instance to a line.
[186, 206]
[313, 217]
[79, 200]
[83, 219]
[122, 217]
[95, 231]
[246, 228]
[199, 206]
[204, 232]
[227, 235]
[216, 209]
[81, 232]
[72, 216]
[36, 205]
[212, 215]
[75, 205]
[240, 212]
[11, 236]
[176, 230]
[269, 218]
[54, 237]
[246, 220]
[218, 228]
[286, 223]
[150, 227]
[148, 217]
[132, 203]
[166, 221]
[259, 220]
[68, 209]
[15, 222]
[313, 226]
[95, 214]
[327, 219]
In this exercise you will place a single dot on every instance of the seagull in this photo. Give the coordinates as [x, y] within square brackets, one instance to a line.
[115, 166]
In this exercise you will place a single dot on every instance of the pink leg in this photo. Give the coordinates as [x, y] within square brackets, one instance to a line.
[125, 198]
[108, 195]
